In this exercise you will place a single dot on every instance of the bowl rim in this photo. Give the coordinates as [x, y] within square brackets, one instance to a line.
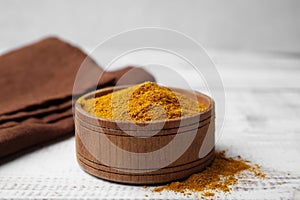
[79, 108]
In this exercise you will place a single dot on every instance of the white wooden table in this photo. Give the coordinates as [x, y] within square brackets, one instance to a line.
[262, 125]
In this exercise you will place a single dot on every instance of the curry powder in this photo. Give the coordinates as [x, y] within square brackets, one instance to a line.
[219, 177]
[144, 102]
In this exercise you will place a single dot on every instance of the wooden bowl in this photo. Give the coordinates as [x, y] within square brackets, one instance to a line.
[145, 152]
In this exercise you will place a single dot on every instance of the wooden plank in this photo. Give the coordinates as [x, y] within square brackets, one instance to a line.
[262, 125]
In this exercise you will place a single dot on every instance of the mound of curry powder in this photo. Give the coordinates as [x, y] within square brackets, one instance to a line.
[144, 102]
[221, 176]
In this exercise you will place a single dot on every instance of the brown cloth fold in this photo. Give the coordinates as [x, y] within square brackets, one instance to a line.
[36, 94]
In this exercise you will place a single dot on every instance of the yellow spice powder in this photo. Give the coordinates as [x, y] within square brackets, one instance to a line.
[220, 176]
[144, 102]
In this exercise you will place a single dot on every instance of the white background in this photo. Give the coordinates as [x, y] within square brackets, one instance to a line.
[272, 25]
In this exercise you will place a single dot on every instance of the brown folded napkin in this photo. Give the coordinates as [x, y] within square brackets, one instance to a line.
[36, 93]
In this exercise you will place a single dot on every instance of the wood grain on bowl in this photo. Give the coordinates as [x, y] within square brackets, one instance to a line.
[144, 152]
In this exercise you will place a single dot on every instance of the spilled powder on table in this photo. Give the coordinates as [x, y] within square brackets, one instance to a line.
[221, 176]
